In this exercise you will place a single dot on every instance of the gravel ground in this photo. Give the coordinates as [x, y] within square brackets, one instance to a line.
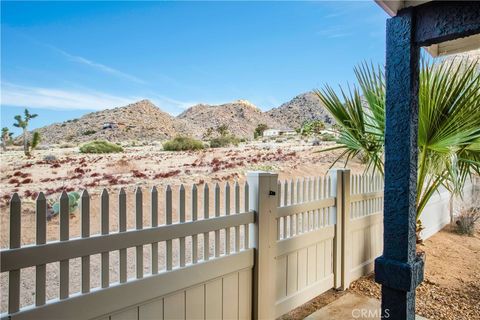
[451, 289]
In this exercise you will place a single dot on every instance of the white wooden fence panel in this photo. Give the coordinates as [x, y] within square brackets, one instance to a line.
[151, 311]
[187, 289]
[213, 300]
[195, 302]
[364, 225]
[174, 306]
[304, 258]
[316, 234]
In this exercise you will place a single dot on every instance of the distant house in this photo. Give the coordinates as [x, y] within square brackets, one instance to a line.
[279, 132]
[109, 125]
[271, 132]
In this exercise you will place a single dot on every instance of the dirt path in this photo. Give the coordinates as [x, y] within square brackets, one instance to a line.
[451, 289]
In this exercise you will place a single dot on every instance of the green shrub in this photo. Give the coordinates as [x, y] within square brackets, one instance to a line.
[328, 137]
[182, 143]
[100, 146]
[89, 132]
[224, 141]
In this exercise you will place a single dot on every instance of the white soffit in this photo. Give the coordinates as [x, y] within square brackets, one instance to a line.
[455, 46]
[393, 6]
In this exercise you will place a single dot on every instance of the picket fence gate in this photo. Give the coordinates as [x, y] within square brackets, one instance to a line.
[258, 251]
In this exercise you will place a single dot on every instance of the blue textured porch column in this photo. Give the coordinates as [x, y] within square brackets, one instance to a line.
[398, 270]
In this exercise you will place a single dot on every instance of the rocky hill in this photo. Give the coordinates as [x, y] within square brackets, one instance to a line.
[241, 117]
[304, 107]
[141, 120]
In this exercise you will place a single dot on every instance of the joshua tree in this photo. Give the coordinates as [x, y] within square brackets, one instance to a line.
[6, 138]
[23, 123]
[222, 130]
[259, 130]
[314, 127]
[208, 133]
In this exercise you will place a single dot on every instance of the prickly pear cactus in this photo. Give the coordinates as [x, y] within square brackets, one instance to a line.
[72, 203]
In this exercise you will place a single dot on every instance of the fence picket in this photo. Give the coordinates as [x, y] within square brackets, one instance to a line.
[237, 211]
[246, 208]
[85, 232]
[206, 214]
[227, 213]
[105, 256]
[194, 218]
[139, 226]
[304, 199]
[216, 202]
[122, 227]
[354, 191]
[41, 237]
[279, 203]
[326, 211]
[310, 198]
[279, 193]
[285, 203]
[15, 233]
[181, 206]
[154, 223]
[316, 186]
[364, 190]
[168, 220]
[64, 235]
[297, 201]
[292, 201]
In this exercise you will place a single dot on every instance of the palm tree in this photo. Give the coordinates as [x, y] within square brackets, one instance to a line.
[23, 123]
[448, 126]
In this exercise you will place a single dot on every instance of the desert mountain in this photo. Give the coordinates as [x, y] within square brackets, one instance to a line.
[241, 117]
[304, 107]
[141, 120]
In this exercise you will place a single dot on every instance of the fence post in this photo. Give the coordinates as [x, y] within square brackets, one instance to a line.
[336, 190]
[340, 189]
[346, 238]
[263, 201]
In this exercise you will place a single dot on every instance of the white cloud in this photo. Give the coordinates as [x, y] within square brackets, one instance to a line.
[166, 102]
[55, 98]
[98, 66]
[334, 32]
[52, 98]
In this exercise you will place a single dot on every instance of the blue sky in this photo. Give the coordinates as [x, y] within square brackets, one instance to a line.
[63, 59]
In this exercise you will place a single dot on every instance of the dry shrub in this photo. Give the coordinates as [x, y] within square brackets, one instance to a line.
[467, 219]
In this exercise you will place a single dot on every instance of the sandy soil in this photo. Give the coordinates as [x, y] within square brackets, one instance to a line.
[137, 167]
[451, 289]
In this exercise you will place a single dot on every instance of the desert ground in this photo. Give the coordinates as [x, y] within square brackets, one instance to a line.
[144, 167]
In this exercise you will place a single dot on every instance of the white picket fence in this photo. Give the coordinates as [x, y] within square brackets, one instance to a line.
[256, 250]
